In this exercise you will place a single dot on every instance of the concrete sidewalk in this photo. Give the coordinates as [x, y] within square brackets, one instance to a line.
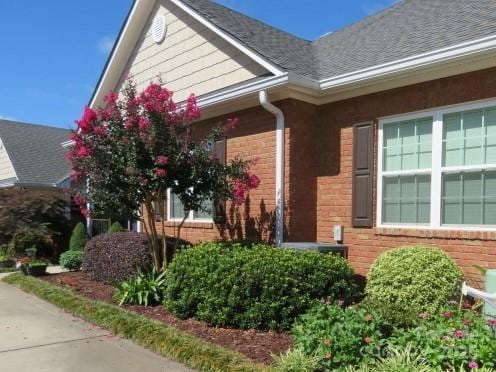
[36, 336]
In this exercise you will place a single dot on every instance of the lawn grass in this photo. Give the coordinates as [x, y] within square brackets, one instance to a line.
[151, 334]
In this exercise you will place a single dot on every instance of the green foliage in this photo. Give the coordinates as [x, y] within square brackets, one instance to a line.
[450, 339]
[339, 336]
[146, 288]
[295, 360]
[26, 238]
[156, 336]
[398, 360]
[227, 284]
[71, 260]
[34, 216]
[79, 237]
[406, 281]
[115, 228]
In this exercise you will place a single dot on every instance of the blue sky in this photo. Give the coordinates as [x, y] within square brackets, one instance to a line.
[53, 51]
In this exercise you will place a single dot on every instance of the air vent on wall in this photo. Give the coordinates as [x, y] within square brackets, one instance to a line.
[159, 28]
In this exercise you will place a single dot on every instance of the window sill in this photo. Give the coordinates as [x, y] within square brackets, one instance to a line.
[191, 224]
[424, 232]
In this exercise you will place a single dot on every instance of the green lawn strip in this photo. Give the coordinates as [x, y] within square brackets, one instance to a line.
[151, 334]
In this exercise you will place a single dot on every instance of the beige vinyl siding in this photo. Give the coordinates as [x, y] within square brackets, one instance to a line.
[191, 58]
[6, 168]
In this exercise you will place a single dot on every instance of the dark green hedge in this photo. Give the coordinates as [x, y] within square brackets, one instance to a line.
[261, 287]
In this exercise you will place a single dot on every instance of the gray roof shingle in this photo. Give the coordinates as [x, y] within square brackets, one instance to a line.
[36, 151]
[406, 29]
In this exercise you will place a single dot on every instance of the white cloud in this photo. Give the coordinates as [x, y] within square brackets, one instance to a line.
[105, 44]
[371, 7]
[6, 117]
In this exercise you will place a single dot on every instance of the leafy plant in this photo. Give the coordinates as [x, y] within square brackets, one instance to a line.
[296, 360]
[406, 281]
[228, 284]
[33, 217]
[115, 228]
[397, 360]
[139, 146]
[71, 260]
[451, 339]
[26, 238]
[146, 288]
[339, 336]
[116, 257]
[79, 237]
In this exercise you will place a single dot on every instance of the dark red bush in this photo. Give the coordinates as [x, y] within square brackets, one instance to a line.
[116, 257]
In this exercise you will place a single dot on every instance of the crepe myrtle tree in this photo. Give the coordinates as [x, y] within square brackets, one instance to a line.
[138, 146]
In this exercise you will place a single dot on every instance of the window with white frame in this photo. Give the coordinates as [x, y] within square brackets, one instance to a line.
[176, 210]
[438, 169]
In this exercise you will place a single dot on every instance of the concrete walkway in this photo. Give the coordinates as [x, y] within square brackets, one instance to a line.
[36, 336]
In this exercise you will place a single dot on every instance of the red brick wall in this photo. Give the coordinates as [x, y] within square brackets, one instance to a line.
[335, 170]
[318, 172]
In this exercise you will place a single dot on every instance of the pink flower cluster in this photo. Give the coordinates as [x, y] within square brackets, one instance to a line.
[192, 111]
[161, 161]
[85, 124]
[157, 99]
[241, 187]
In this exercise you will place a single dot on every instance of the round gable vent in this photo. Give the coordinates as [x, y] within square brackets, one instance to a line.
[159, 28]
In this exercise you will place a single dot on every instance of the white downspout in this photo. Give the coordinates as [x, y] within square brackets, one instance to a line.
[264, 101]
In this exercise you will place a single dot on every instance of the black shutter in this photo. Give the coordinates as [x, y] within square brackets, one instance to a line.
[363, 172]
[219, 207]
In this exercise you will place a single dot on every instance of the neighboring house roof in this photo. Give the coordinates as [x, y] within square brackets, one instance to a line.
[36, 152]
[408, 28]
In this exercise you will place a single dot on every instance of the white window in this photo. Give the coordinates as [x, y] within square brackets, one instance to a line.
[438, 168]
[176, 212]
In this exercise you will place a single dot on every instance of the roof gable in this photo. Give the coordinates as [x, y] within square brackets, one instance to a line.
[36, 152]
[191, 58]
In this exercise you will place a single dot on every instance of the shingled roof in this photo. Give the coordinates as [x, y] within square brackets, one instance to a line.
[408, 28]
[36, 152]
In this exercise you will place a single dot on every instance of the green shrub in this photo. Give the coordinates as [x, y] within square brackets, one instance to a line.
[406, 281]
[115, 228]
[227, 284]
[450, 339]
[339, 336]
[295, 360]
[79, 237]
[146, 288]
[71, 260]
[29, 238]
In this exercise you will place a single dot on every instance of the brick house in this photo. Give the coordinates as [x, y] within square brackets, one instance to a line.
[387, 126]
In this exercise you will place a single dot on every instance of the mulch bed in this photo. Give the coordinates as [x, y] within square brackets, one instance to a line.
[256, 345]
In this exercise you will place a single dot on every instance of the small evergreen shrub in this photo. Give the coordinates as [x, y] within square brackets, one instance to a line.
[79, 238]
[71, 260]
[28, 238]
[227, 284]
[146, 288]
[339, 336]
[116, 257]
[115, 228]
[406, 281]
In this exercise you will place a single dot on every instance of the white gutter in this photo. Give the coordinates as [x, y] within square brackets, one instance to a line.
[264, 101]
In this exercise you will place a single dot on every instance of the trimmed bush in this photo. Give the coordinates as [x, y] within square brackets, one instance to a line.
[115, 228]
[226, 284]
[116, 257]
[408, 280]
[79, 237]
[339, 336]
[71, 260]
